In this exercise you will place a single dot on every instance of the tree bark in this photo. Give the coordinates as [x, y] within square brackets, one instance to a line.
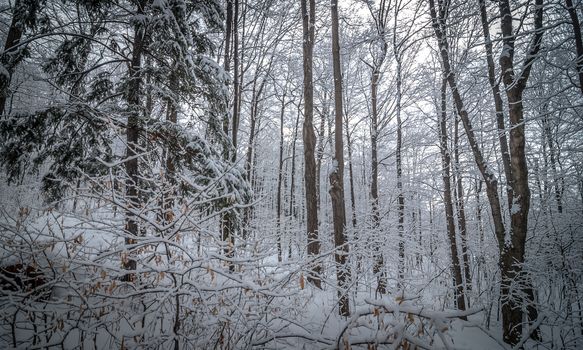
[351, 176]
[236, 82]
[448, 202]
[229, 218]
[227, 53]
[292, 204]
[280, 177]
[461, 212]
[557, 180]
[378, 268]
[399, 166]
[321, 143]
[337, 174]
[308, 25]
[498, 103]
[132, 139]
[380, 19]
[514, 249]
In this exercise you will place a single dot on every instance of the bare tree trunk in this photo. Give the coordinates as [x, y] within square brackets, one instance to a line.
[132, 138]
[578, 41]
[355, 237]
[280, 177]
[513, 251]
[292, 205]
[226, 223]
[481, 259]
[380, 17]
[548, 134]
[337, 174]
[236, 81]
[498, 104]
[461, 212]
[168, 192]
[308, 25]
[448, 202]
[378, 268]
[400, 195]
[227, 57]
[351, 177]
[321, 143]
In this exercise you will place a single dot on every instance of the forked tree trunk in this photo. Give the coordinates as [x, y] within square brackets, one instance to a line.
[337, 174]
[498, 103]
[513, 251]
[308, 25]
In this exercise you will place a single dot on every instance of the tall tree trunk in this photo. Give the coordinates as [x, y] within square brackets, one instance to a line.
[380, 16]
[355, 236]
[227, 56]
[548, 134]
[280, 177]
[578, 41]
[461, 212]
[236, 82]
[292, 204]
[378, 268]
[337, 174]
[168, 194]
[514, 249]
[308, 25]
[351, 176]
[448, 202]
[321, 143]
[132, 139]
[400, 195]
[227, 223]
